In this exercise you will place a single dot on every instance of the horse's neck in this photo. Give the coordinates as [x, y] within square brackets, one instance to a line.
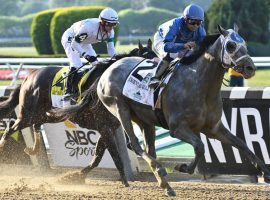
[210, 72]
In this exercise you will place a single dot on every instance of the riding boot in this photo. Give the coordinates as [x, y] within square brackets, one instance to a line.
[69, 87]
[161, 68]
[92, 74]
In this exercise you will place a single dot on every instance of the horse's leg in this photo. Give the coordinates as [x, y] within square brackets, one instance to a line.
[149, 133]
[224, 135]
[99, 152]
[160, 173]
[186, 134]
[18, 125]
[113, 150]
[102, 144]
[36, 147]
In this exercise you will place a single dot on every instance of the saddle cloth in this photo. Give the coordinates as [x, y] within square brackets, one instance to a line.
[136, 85]
[58, 91]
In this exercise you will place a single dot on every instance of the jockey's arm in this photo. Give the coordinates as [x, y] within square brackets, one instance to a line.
[80, 36]
[169, 44]
[172, 47]
[110, 45]
[76, 43]
[110, 48]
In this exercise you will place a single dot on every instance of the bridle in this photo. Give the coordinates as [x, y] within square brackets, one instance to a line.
[227, 57]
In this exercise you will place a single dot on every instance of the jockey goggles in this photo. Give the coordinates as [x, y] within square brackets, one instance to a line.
[194, 22]
[110, 24]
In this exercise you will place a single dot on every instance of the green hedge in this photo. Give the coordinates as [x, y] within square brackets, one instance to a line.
[63, 19]
[11, 27]
[40, 31]
[258, 49]
[143, 22]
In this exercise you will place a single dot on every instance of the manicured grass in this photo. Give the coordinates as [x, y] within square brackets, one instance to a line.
[31, 51]
[125, 48]
[261, 79]
[18, 51]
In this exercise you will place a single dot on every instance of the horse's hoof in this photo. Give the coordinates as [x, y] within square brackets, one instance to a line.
[125, 183]
[72, 178]
[2, 142]
[49, 114]
[28, 151]
[170, 192]
[181, 168]
[162, 171]
[266, 178]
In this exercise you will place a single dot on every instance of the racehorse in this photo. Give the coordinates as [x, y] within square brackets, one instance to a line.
[33, 100]
[191, 102]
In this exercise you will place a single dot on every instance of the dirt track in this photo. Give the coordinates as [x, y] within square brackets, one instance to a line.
[31, 183]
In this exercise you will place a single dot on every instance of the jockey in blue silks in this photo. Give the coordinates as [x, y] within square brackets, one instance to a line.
[177, 38]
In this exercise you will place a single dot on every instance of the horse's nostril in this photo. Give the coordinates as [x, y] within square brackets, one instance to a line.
[250, 68]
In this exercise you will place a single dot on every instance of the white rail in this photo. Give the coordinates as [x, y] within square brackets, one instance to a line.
[35, 63]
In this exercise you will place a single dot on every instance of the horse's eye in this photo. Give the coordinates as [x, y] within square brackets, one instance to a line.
[230, 47]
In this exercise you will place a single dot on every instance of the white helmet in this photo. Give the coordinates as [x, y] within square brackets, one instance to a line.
[109, 15]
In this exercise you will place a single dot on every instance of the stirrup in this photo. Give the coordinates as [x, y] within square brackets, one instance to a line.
[154, 83]
[66, 102]
[67, 96]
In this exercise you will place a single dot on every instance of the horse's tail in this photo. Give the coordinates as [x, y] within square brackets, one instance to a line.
[7, 106]
[89, 101]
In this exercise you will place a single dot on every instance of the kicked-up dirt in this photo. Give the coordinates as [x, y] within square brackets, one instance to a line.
[28, 182]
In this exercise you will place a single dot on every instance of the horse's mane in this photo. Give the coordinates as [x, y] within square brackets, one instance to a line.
[109, 61]
[206, 43]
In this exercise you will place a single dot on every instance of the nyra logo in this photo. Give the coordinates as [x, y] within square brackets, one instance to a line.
[252, 125]
[81, 143]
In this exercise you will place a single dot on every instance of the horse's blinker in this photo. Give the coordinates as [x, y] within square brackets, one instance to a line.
[230, 46]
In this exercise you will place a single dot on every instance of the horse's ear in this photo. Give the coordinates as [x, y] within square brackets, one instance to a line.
[149, 44]
[235, 27]
[140, 45]
[223, 31]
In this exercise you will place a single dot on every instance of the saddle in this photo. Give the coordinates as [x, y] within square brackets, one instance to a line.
[58, 90]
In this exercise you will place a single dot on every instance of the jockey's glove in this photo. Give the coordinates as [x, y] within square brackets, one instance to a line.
[90, 59]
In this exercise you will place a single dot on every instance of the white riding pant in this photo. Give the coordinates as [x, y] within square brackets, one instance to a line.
[73, 55]
[159, 48]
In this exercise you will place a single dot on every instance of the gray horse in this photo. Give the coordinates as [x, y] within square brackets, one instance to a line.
[191, 102]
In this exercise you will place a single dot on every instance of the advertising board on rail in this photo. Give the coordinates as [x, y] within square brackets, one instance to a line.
[249, 119]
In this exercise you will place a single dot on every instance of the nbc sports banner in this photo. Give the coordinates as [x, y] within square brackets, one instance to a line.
[73, 146]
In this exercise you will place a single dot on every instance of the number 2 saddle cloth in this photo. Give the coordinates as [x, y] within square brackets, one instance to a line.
[136, 86]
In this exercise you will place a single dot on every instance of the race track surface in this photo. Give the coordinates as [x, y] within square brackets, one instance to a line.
[27, 182]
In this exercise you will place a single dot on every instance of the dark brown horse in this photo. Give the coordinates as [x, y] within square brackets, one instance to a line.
[33, 100]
